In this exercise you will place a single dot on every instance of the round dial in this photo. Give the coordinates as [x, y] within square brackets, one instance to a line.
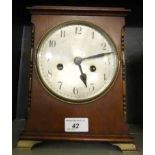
[77, 61]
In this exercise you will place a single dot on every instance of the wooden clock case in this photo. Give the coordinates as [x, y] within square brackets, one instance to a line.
[106, 114]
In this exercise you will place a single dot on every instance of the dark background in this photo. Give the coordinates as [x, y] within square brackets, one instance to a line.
[21, 17]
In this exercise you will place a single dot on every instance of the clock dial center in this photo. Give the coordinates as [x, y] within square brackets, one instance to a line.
[77, 60]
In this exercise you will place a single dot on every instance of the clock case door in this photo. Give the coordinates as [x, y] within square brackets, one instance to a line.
[46, 113]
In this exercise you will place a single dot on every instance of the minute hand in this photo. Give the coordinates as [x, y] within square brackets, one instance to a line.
[96, 56]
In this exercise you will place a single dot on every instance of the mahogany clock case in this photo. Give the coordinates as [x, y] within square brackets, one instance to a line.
[22, 17]
[47, 113]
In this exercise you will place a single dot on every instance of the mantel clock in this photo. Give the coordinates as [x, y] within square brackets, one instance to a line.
[77, 77]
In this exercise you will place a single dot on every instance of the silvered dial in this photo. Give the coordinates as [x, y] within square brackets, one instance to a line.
[77, 62]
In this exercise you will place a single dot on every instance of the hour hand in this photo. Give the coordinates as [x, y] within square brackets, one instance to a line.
[83, 76]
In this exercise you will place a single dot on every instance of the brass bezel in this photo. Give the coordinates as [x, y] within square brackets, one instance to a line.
[66, 100]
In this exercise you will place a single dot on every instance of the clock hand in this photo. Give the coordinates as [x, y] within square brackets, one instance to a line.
[78, 60]
[83, 76]
[96, 56]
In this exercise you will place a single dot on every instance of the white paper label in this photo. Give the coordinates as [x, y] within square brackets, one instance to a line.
[76, 125]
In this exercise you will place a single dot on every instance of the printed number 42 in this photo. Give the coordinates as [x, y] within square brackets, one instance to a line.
[75, 125]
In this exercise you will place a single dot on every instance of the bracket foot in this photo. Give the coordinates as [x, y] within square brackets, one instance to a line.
[126, 146]
[27, 143]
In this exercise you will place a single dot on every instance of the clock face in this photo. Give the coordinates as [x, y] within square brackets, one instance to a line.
[77, 61]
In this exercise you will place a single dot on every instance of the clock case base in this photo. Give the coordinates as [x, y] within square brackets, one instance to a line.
[104, 19]
[123, 142]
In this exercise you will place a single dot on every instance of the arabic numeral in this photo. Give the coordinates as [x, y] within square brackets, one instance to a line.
[49, 73]
[60, 84]
[92, 87]
[75, 125]
[103, 45]
[78, 30]
[93, 35]
[62, 34]
[108, 61]
[105, 77]
[75, 91]
[52, 43]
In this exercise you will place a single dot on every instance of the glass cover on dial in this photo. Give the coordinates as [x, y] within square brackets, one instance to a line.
[77, 61]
